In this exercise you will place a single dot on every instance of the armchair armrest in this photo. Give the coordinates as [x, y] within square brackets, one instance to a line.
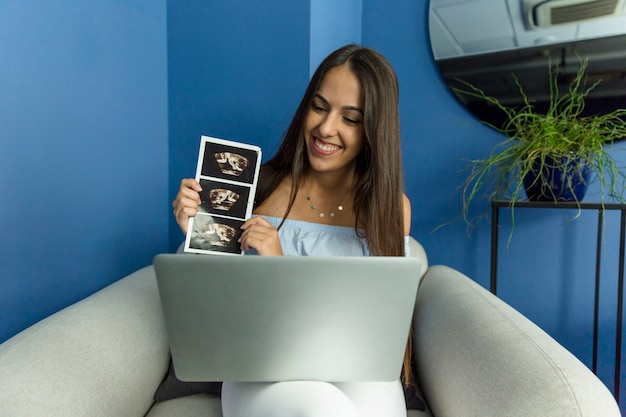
[103, 356]
[477, 356]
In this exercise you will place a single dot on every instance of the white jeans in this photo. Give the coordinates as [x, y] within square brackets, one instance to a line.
[313, 399]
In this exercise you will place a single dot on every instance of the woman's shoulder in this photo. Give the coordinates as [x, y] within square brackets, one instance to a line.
[276, 202]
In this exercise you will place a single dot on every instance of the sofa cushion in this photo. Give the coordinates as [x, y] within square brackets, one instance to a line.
[198, 405]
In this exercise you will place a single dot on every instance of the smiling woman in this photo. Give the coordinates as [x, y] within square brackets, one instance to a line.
[334, 188]
[522, 37]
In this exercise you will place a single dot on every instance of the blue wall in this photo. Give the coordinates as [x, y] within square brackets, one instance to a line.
[237, 70]
[83, 150]
[84, 96]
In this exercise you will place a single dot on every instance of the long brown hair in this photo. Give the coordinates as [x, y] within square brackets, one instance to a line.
[378, 203]
[378, 206]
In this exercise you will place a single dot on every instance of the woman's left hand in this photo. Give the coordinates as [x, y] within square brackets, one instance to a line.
[261, 235]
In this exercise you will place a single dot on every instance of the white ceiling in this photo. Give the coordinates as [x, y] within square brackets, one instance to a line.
[466, 27]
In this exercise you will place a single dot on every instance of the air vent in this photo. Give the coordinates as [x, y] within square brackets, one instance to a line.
[546, 13]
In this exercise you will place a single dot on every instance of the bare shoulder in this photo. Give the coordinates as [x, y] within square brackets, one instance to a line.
[406, 204]
[276, 204]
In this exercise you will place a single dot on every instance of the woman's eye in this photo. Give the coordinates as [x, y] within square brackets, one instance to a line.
[351, 121]
[318, 109]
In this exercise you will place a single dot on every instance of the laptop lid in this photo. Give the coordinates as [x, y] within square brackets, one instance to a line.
[265, 318]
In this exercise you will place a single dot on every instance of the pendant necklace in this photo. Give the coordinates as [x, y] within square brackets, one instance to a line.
[313, 206]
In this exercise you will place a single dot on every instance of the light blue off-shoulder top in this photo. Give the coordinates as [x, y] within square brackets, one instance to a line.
[300, 238]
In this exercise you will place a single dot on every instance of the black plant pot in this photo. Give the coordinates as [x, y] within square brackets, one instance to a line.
[554, 181]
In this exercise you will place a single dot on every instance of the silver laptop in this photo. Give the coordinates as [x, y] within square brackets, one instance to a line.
[266, 318]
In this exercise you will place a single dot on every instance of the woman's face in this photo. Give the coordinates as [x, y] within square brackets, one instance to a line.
[333, 128]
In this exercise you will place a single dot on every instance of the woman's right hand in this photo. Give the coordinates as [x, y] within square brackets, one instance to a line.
[186, 202]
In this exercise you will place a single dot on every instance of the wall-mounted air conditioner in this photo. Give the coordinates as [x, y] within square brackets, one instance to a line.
[546, 13]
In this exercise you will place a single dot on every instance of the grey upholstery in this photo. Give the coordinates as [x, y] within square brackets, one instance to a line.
[477, 356]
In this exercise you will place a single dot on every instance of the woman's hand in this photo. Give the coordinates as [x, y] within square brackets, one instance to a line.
[261, 235]
[186, 202]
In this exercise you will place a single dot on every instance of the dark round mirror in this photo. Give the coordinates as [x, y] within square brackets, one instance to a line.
[485, 42]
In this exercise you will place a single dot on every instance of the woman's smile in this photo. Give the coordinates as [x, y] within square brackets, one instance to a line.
[323, 147]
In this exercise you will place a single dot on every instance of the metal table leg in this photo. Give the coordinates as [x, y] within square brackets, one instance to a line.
[620, 298]
[495, 225]
[596, 303]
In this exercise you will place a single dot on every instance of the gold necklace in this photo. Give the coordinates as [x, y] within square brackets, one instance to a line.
[313, 206]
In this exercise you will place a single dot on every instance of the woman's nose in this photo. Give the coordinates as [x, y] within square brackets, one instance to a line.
[328, 126]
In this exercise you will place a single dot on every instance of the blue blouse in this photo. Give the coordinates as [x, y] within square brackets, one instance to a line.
[300, 238]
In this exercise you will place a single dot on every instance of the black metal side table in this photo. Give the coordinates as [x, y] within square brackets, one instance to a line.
[601, 209]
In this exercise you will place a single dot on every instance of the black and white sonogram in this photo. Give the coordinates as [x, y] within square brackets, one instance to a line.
[230, 163]
[215, 234]
[228, 173]
[223, 198]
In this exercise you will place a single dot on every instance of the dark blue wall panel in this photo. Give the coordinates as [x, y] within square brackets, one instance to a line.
[237, 70]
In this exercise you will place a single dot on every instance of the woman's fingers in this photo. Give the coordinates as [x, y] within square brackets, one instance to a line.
[186, 203]
[261, 235]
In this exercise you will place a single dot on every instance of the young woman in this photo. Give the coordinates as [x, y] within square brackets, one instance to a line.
[333, 188]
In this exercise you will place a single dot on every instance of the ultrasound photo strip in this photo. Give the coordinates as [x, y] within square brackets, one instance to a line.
[228, 173]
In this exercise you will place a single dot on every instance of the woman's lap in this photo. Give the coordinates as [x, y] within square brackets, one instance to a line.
[313, 399]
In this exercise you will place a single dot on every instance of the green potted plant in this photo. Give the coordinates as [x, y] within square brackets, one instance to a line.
[542, 151]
